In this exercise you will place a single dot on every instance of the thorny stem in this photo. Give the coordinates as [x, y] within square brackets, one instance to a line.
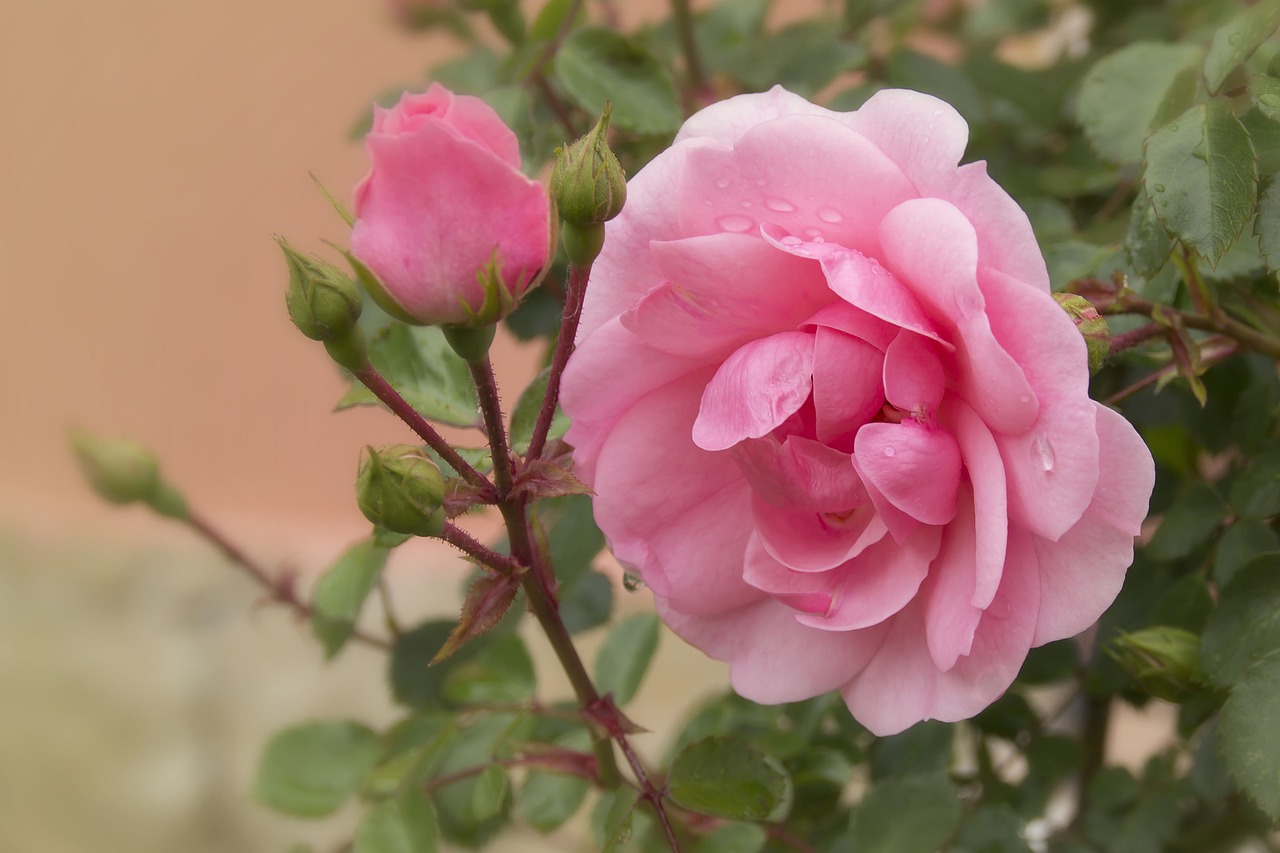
[280, 588]
[574, 293]
[373, 380]
[470, 772]
[1222, 323]
[1133, 337]
[688, 43]
[467, 544]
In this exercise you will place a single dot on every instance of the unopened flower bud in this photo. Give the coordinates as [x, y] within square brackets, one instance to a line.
[400, 489]
[323, 301]
[1092, 325]
[1162, 659]
[588, 182]
[124, 472]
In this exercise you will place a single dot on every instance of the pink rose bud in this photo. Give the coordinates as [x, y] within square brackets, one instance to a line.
[450, 228]
[1091, 325]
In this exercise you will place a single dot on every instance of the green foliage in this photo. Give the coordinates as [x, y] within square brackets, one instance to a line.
[625, 656]
[909, 814]
[340, 593]
[405, 824]
[310, 770]
[597, 65]
[525, 414]
[728, 777]
[419, 363]
[1250, 737]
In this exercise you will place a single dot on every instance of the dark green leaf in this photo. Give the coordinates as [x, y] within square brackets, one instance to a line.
[728, 777]
[613, 817]
[1267, 224]
[1244, 541]
[340, 594]
[414, 681]
[419, 363]
[310, 769]
[909, 814]
[597, 65]
[1234, 43]
[587, 602]
[625, 656]
[474, 809]
[552, 17]
[538, 315]
[924, 747]
[1250, 736]
[1051, 662]
[803, 57]
[1192, 519]
[732, 838]
[1007, 716]
[1146, 243]
[1121, 95]
[572, 535]
[549, 799]
[912, 70]
[1202, 175]
[406, 824]
[1256, 492]
[525, 414]
[1246, 625]
[991, 829]
[501, 674]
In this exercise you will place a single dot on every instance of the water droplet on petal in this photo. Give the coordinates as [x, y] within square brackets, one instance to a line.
[937, 112]
[889, 451]
[790, 241]
[722, 183]
[1024, 398]
[745, 205]
[734, 222]
[780, 205]
[760, 182]
[1042, 452]
[830, 214]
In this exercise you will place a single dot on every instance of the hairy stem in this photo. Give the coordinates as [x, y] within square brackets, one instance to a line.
[390, 397]
[467, 544]
[574, 294]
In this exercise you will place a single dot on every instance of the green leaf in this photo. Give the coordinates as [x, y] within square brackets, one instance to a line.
[1265, 92]
[406, 824]
[310, 769]
[491, 793]
[728, 777]
[1202, 176]
[803, 57]
[525, 415]
[625, 656]
[549, 799]
[1122, 94]
[419, 363]
[1250, 736]
[474, 809]
[1267, 224]
[1246, 625]
[1236, 41]
[572, 535]
[732, 838]
[924, 747]
[502, 674]
[1244, 541]
[340, 593]
[1051, 662]
[587, 602]
[613, 817]
[912, 70]
[991, 829]
[596, 65]
[909, 814]
[551, 17]
[1256, 491]
[416, 683]
[1146, 243]
[1192, 519]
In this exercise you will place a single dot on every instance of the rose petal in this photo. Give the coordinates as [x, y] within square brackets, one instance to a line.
[933, 250]
[807, 592]
[847, 387]
[843, 317]
[985, 471]
[800, 473]
[915, 467]
[913, 377]
[727, 120]
[925, 136]
[757, 388]
[1006, 241]
[813, 542]
[950, 618]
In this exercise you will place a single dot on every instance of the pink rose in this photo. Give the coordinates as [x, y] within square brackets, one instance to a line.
[834, 418]
[445, 219]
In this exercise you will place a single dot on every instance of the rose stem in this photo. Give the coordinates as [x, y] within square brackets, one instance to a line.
[465, 543]
[280, 588]
[372, 379]
[573, 296]
[1229, 326]
[688, 42]
[1208, 357]
[535, 583]
[1133, 337]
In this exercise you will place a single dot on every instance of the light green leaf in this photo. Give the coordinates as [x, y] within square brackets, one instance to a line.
[802, 57]
[1267, 224]
[340, 593]
[991, 829]
[549, 799]
[491, 793]
[596, 65]
[406, 824]
[613, 817]
[525, 415]
[1265, 91]
[1236, 41]
[1122, 94]
[1202, 176]
[473, 809]
[907, 814]
[625, 656]
[420, 364]
[728, 777]
[552, 16]
[1250, 737]
[1246, 625]
[310, 769]
[501, 674]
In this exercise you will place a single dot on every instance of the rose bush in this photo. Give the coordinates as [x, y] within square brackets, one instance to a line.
[834, 419]
[445, 220]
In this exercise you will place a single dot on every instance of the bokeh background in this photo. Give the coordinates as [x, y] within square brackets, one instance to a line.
[150, 149]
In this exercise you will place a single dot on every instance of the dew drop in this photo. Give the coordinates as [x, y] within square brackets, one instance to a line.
[1159, 188]
[1042, 452]
[780, 205]
[790, 241]
[1234, 38]
[937, 112]
[746, 205]
[760, 182]
[1024, 398]
[813, 234]
[734, 222]
[889, 451]
[830, 214]
[722, 183]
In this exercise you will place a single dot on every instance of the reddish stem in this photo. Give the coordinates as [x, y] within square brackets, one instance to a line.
[574, 294]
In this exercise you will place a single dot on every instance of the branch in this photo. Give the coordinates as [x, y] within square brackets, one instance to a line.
[575, 292]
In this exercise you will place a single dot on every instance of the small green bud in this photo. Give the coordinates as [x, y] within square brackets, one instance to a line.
[587, 181]
[323, 301]
[1092, 325]
[125, 472]
[400, 489]
[1162, 659]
